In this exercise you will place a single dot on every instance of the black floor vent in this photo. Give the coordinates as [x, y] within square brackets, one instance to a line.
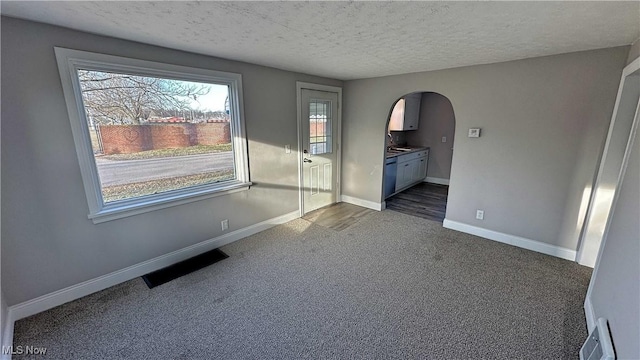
[182, 268]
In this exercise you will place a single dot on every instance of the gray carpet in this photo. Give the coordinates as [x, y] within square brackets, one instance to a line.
[391, 286]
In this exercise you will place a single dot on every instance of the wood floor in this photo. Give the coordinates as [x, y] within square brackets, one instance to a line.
[425, 200]
[338, 216]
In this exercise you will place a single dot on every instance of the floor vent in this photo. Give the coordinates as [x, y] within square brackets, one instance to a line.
[598, 346]
[182, 268]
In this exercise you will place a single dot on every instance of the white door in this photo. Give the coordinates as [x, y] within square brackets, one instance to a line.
[319, 114]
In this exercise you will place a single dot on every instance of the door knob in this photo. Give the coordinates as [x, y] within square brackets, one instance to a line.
[307, 160]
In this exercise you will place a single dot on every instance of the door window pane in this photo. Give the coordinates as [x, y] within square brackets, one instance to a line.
[320, 137]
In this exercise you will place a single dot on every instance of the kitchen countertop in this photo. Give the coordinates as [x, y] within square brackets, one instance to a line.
[392, 153]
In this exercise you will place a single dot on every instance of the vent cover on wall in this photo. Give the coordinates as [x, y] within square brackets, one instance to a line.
[598, 346]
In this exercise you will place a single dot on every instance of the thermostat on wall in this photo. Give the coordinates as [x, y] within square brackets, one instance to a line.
[474, 132]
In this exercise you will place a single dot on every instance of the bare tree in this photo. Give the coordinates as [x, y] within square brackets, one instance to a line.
[113, 98]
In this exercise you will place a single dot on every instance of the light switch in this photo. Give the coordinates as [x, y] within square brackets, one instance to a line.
[287, 149]
[444, 139]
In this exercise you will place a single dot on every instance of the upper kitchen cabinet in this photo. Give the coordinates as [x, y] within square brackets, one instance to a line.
[406, 113]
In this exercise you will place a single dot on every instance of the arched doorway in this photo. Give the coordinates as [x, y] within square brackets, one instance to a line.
[420, 135]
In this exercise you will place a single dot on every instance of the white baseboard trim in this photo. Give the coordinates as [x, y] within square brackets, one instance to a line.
[435, 180]
[518, 241]
[56, 298]
[589, 314]
[364, 203]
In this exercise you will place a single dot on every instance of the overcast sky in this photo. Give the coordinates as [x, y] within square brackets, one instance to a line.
[213, 101]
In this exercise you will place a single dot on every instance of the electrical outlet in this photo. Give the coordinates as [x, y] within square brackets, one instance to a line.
[225, 224]
[480, 214]
[444, 139]
[287, 149]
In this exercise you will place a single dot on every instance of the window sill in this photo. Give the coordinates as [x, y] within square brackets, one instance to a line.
[121, 210]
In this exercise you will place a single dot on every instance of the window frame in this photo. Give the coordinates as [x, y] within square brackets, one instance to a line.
[69, 61]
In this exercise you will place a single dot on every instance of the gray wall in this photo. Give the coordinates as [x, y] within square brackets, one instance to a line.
[3, 318]
[437, 119]
[543, 121]
[47, 241]
[4, 311]
[615, 283]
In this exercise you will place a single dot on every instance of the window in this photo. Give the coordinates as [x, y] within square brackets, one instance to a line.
[320, 127]
[150, 135]
[397, 116]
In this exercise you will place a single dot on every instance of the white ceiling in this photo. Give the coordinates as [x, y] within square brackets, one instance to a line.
[352, 40]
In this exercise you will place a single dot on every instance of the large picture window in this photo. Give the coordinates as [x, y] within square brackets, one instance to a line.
[151, 135]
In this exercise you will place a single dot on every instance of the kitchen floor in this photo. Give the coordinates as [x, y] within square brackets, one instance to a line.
[338, 216]
[425, 200]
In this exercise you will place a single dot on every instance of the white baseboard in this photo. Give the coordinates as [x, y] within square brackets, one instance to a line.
[435, 180]
[364, 203]
[518, 241]
[48, 301]
[589, 314]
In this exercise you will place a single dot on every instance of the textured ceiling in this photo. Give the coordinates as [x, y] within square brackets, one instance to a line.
[351, 40]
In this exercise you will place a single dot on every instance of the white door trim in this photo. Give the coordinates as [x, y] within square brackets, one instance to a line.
[580, 255]
[588, 306]
[327, 88]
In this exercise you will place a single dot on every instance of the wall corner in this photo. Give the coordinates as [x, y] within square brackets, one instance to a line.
[634, 51]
